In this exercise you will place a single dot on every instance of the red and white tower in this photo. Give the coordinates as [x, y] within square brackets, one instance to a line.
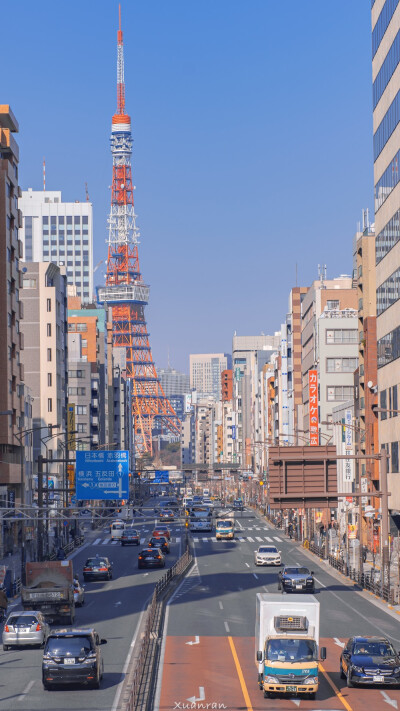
[125, 291]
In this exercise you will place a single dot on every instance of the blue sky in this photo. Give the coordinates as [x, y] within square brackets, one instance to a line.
[252, 127]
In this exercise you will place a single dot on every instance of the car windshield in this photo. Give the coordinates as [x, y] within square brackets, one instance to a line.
[22, 620]
[157, 540]
[374, 649]
[296, 571]
[96, 561]
[267, 549]
[131, 531]
[291, 650]
[149, 554]
[222, 524]
[74, 645]
[118, 526]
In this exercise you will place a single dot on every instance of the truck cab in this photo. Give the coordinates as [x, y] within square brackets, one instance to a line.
[225, 528]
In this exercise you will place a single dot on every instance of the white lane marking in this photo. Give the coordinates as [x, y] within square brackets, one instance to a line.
[114, 542]
[255, 575]
[204, 539]
[391, 702]
[296, 701]
[196, 540]
[241, 539]
[277, 539]
[338, 642]
[239, 524]
[201, 697]
[221, 607]
[319, 582]
[214, 540]
[105, 541]
[177, 539]
[266, 528]
[26, 690]
[250, 539]
[248, 565]
[96, 541]
[265, 588]
[267, 538]
[259, 539]
[196, 641]
[226, 626]
[142, 540]
[128, 659]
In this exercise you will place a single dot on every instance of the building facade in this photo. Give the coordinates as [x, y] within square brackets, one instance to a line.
[205, 372]
[59, 232]
[173, 382]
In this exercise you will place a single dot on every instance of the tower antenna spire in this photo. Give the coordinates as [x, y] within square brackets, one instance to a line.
[120, 69]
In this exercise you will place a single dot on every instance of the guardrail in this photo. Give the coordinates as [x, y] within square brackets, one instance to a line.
[150, 632]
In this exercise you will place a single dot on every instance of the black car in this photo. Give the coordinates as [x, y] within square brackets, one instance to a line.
[98, 568]
[130, 536]
[369, 660]
[151, 558]
[73, 656]
[159, 542]
[295, 579]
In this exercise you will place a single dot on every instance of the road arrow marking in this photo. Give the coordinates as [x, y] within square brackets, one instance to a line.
[388, 700]
[202, 696]
[338, 642]
[117, 603]
[197, 641]
[296, 701]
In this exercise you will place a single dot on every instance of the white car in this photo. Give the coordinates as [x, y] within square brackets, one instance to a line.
[267, 555]
[79, 593]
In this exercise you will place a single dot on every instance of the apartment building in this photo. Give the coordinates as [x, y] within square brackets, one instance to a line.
[59, 232]
[292, 330]
[386, 147]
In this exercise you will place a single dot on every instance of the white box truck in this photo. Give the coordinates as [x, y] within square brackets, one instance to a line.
[287, 644]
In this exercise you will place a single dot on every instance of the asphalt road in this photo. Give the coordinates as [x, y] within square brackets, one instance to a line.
[112, 607]
[208, 648]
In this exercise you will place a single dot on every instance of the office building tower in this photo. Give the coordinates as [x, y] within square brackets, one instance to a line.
[205, 372]
[173, 383]
[386, 148]
[59, 232]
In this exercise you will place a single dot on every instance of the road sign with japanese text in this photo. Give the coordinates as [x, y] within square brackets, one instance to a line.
[102, 474]
[313, 407]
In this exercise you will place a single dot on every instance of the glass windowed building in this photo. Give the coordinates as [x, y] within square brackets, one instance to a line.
[59, 232]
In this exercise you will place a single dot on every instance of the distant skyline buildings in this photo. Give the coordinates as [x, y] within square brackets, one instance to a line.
[205, 372]
[59, 232]
[173, 382]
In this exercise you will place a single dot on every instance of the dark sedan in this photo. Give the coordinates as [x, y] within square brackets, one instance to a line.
[167, 515]
[294, 579]
[130, 536]
[369, 660]
[151, 558]
[98, 568]
[159, 542]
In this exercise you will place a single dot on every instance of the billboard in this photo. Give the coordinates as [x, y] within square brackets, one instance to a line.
[313, 407]
[71, 425]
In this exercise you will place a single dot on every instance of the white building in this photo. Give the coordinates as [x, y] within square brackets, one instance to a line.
[205, 372]
[59, 232]
[173, 382]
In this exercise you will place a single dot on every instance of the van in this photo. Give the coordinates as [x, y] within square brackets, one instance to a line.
[117, 528]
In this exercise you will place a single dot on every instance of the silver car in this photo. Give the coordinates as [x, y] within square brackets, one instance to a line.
[25, 628]
[79, 593]
[267, 555]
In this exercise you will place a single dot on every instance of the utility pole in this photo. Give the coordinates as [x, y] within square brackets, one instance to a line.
[40, 508]
[384, 522]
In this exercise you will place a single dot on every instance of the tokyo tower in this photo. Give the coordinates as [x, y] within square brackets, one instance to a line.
[125, 291]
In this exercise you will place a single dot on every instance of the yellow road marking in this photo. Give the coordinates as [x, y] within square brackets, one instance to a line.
[335, 689]
[241, 677]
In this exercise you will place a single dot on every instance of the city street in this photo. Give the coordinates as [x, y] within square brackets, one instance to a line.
[113, 608]
[208, 649]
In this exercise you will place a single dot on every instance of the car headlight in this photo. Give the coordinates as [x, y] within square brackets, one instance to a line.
[309, 580]
[272, 680]
[360, 670]
[311, 680]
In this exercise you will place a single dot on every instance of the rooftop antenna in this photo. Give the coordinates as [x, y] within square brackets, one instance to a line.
[169, 364]
[87, 193]
[44, 174]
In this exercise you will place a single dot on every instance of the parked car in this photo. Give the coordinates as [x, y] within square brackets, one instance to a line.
[151, 558]
[296, 579]
[25, 628]
[162, 531]
[73, 657]
[130, 536]
[79, 593]
[370, 660]
[267, 555]
[159, 542]
[98, 568]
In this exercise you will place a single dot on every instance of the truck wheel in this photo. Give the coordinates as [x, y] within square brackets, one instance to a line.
[5, 647]
[349, 681]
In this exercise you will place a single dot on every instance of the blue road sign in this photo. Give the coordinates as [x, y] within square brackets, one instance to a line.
[102, 474]
[161, 477]
[73, 499]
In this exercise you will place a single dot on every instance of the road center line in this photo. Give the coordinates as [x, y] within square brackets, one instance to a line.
[255, 575]
[221, 607]
[248, 565]
[226, 626]
[335, 689]
[241, 677]
[26, 690]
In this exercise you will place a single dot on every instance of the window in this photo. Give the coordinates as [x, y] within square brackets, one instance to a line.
[49, 380]
[48, 305]
[341, 365]
[69, 219]
[49, 404]
[388, 292]
[81, 427]
[49, 354]
[61, 220]
[76, 373]
[339, 392]
[81, 409]
[387, 182]
[85, 220]
[84, 343]
[383, 404]
[77, 220]
[76, 391]
[386, 71]
[29, 283]
[49, 329]
[389, 347]
[394, 401]
[341, 335]
[382, 23]
[45, 220]
[394, 456]
[81, 327]
[332, 305]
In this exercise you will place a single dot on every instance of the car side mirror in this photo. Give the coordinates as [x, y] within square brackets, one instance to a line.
[259, 656]
[322, 653]
[103, 641]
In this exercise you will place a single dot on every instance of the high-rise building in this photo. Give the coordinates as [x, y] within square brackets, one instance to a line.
[11, 311]
[386, 148]
[294, 381]
[173, 383]
[205, 372]
[59, 232]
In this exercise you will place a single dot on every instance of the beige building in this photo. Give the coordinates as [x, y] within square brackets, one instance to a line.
[11, 312]
[205, 372]
[386, 127]
[45, 356]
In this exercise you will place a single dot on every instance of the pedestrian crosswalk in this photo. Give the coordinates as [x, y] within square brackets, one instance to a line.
[241, 538]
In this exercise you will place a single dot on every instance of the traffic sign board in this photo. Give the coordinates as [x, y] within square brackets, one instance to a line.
[161, 477]
[102, 474]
